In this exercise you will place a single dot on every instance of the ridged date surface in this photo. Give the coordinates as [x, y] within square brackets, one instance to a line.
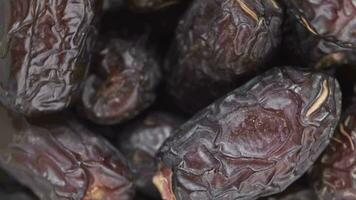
[253, 142]
[334, 177]
[141, 140]
[62, 160]
[123, 83]
[218, 45]
[44, 52]
[322, 27]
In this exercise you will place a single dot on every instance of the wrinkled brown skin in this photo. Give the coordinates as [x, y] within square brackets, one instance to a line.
[141, 140]
[123, 85]
[220, 44]
[150, 5]
[44, 52]
[319, 28]
[62, 160]
[334, 176]
[256, 140]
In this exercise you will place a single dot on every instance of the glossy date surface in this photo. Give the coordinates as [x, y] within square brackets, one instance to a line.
[253, 142]
[44, 52]
[334, 175]
[59, 159]
[141, 140]
[320, 28]
[220, 44]
[123, 82]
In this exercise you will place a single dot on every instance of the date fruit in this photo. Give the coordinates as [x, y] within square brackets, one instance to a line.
[319, 28]
[141, 140]
[334, 175]
[44, 52]
[123, 84]
[59, 159]
[295, 193]
[253, 142]
[218, 46]
[16, 196]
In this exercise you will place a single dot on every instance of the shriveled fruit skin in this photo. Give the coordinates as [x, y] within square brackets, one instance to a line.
[220, 44]
[253, 142]
[334, 175]
[319, 28]
[60, 159]
[44, 52]
[141, 140]
[123, 82]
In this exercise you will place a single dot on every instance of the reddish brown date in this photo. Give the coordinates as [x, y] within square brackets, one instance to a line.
[253, 142]
[219, 45]
[60, 160]
[334, 176]
[44, 52]
[123, 83]
[319, 28]
[141, 140]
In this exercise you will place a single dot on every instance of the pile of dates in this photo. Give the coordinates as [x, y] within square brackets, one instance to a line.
[177, 99]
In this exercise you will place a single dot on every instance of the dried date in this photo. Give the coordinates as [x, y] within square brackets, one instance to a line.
[123, 83]
[253, 142]
[219, 45]
[334, 175]
[320, 28]
[44, 52]
[141, 140]
[59, 159]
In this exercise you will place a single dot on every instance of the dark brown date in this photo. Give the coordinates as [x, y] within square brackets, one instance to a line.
[334, 176]
[44, 52]
[123, 84]
[220, 44]
[150, 5]
[253, 142]
[141, 140]
[60, 159]
[319, 28]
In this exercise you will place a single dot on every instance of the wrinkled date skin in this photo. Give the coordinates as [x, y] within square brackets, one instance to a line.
[319, 28]
[253, 142]
[123, 85]
[334, 176]
[220, 44]
[150, 5]
[44, 52]
[141, 140]
[63, 160]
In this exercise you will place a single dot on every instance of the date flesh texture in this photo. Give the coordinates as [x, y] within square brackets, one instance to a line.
[44, 52]
[141, 140]
[220, 44]
[319, 28]
[123, 84]
[63, 160]
[334, 175]
[253, 142]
